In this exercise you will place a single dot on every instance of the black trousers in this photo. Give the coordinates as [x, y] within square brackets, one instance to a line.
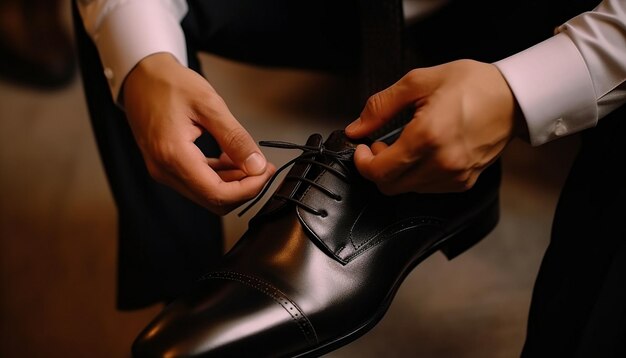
[166, 241]
[579, 301]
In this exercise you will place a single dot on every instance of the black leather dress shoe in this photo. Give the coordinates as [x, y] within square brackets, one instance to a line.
[319, 264]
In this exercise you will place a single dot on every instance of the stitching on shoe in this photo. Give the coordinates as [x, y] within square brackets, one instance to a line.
[298, 317]
[406, 224]
[319, 240]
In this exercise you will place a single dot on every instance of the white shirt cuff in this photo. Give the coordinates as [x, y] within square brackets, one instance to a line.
[154, 29]
[553, 87]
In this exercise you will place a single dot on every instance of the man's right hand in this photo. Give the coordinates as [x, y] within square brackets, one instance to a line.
[168, 107]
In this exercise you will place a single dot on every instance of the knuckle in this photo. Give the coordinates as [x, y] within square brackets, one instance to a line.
[374, 104]
[429, 139]
[164, 156]
[412, 76]
[236, 137]
[161, 163]
[214, 100]
[211, 103]
[451, 162]
[464, 181]
[380, 177]
[451, 165]
[470, 182]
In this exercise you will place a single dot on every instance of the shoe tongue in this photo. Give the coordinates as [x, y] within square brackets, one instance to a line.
[314, 140]
[289, 188]
[300, 169]
[338, 141]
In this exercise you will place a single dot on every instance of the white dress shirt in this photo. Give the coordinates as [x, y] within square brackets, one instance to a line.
[126, 31]
[563, 85]
[569, 81]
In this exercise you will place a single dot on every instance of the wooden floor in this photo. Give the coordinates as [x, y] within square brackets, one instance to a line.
[58, 230]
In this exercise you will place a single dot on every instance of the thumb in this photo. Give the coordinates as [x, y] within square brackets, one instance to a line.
[232, 137]
[384, 105]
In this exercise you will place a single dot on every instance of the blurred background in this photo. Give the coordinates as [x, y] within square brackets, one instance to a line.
[58, 221]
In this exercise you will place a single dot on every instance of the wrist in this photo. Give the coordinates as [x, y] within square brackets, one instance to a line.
[156, 62]
[153, 66]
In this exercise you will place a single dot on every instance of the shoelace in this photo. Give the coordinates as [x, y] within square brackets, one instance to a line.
[312, 155]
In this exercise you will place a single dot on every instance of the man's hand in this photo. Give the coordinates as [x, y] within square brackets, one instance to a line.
[465, 115]
[168, 107]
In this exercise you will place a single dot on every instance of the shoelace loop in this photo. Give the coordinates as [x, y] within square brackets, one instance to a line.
[312, 155]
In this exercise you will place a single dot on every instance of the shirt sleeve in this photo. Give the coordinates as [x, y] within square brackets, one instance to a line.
[568, 82]
[126, 31]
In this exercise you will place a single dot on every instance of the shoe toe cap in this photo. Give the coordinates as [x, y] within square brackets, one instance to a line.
[226, 318]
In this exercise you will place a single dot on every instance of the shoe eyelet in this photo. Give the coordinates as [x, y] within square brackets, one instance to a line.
[338, 198]
[323, 213]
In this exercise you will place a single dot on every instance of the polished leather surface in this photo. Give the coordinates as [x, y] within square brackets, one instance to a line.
[302, 282]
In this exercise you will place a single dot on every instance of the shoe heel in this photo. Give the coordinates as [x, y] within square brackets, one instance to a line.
[472, 234]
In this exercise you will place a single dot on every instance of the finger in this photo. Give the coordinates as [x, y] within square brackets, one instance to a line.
[384, 105]
[234, 174]
[384, 166]
[204, 185]
[234, 140]
[226, 159]
[244, 189]
[221, 163]
[378, 147]
[227, 170]
[231, 175]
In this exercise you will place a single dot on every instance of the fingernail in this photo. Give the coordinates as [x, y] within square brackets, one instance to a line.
[255, 164]
[354, 125]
